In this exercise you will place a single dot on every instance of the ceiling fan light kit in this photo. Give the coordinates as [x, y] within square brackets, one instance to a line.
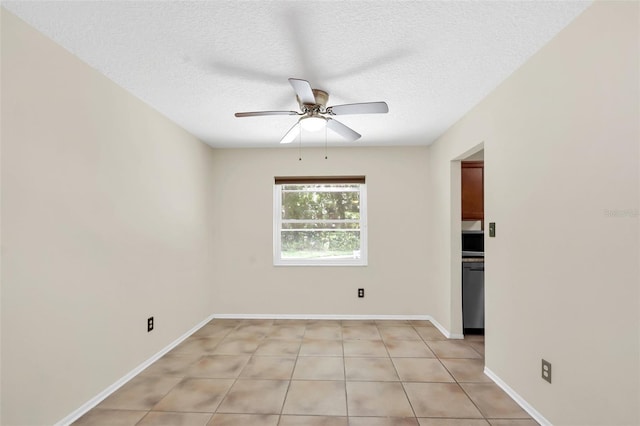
[315, 115]
[313, 123]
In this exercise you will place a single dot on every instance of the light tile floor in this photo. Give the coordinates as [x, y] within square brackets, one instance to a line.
[314, 373]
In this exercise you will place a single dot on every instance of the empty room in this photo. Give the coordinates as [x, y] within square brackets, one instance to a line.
[289, 213]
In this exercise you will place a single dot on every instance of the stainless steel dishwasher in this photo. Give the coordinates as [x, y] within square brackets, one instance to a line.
[473, 297]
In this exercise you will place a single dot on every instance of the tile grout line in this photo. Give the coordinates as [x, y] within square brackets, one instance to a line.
[344, 372]
[404, 389]
[252, 355]
[286, 394]
[460, 385]
[453, 377]
[236, 379]
[143, 417]
[178, 412]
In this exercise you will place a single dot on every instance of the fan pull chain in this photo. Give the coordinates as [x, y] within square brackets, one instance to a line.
[300, 144]
[325, 143]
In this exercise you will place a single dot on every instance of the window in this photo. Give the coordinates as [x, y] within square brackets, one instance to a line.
[320, 221]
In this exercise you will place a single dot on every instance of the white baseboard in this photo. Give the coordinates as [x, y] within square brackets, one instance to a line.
[444, 331]
[324, 317]
[130, 375]
[517, 398]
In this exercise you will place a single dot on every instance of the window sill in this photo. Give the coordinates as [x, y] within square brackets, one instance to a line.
[308, 263]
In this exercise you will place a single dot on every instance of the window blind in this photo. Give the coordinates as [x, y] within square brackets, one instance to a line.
[310, 180]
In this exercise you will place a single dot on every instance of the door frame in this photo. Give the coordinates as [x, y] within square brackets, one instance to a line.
[455, 285]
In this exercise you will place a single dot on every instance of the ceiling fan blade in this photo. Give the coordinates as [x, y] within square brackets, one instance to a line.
[292, 134]
[361, 108]
[261, 113]
[303, 90]
[344, 131]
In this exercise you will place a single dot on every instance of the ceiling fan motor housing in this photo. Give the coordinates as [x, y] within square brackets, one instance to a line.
[321, 100]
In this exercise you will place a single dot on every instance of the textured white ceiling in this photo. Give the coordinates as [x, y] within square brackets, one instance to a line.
[198, 62]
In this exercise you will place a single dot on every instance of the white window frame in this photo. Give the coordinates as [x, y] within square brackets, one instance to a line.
[277, 226]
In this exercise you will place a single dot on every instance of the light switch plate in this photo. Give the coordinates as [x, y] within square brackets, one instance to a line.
[492, 229]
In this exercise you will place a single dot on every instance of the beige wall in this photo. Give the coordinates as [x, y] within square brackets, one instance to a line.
[561, 146]
[396, 281]
[105, 221]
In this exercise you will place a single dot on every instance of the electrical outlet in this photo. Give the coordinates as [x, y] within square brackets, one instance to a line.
[149, 324]
[361, 292]
[546, 370]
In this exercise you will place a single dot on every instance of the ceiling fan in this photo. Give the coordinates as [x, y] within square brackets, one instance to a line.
[315, 114]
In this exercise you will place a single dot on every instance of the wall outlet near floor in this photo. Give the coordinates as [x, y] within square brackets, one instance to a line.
[149, 324]
[361, 292]
[546, 370]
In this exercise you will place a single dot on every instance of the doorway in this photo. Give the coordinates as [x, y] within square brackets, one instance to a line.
[471, 224]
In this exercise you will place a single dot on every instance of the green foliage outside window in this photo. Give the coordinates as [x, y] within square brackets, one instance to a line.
[320, 220]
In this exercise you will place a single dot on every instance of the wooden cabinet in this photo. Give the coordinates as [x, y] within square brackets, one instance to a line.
[472, 178]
